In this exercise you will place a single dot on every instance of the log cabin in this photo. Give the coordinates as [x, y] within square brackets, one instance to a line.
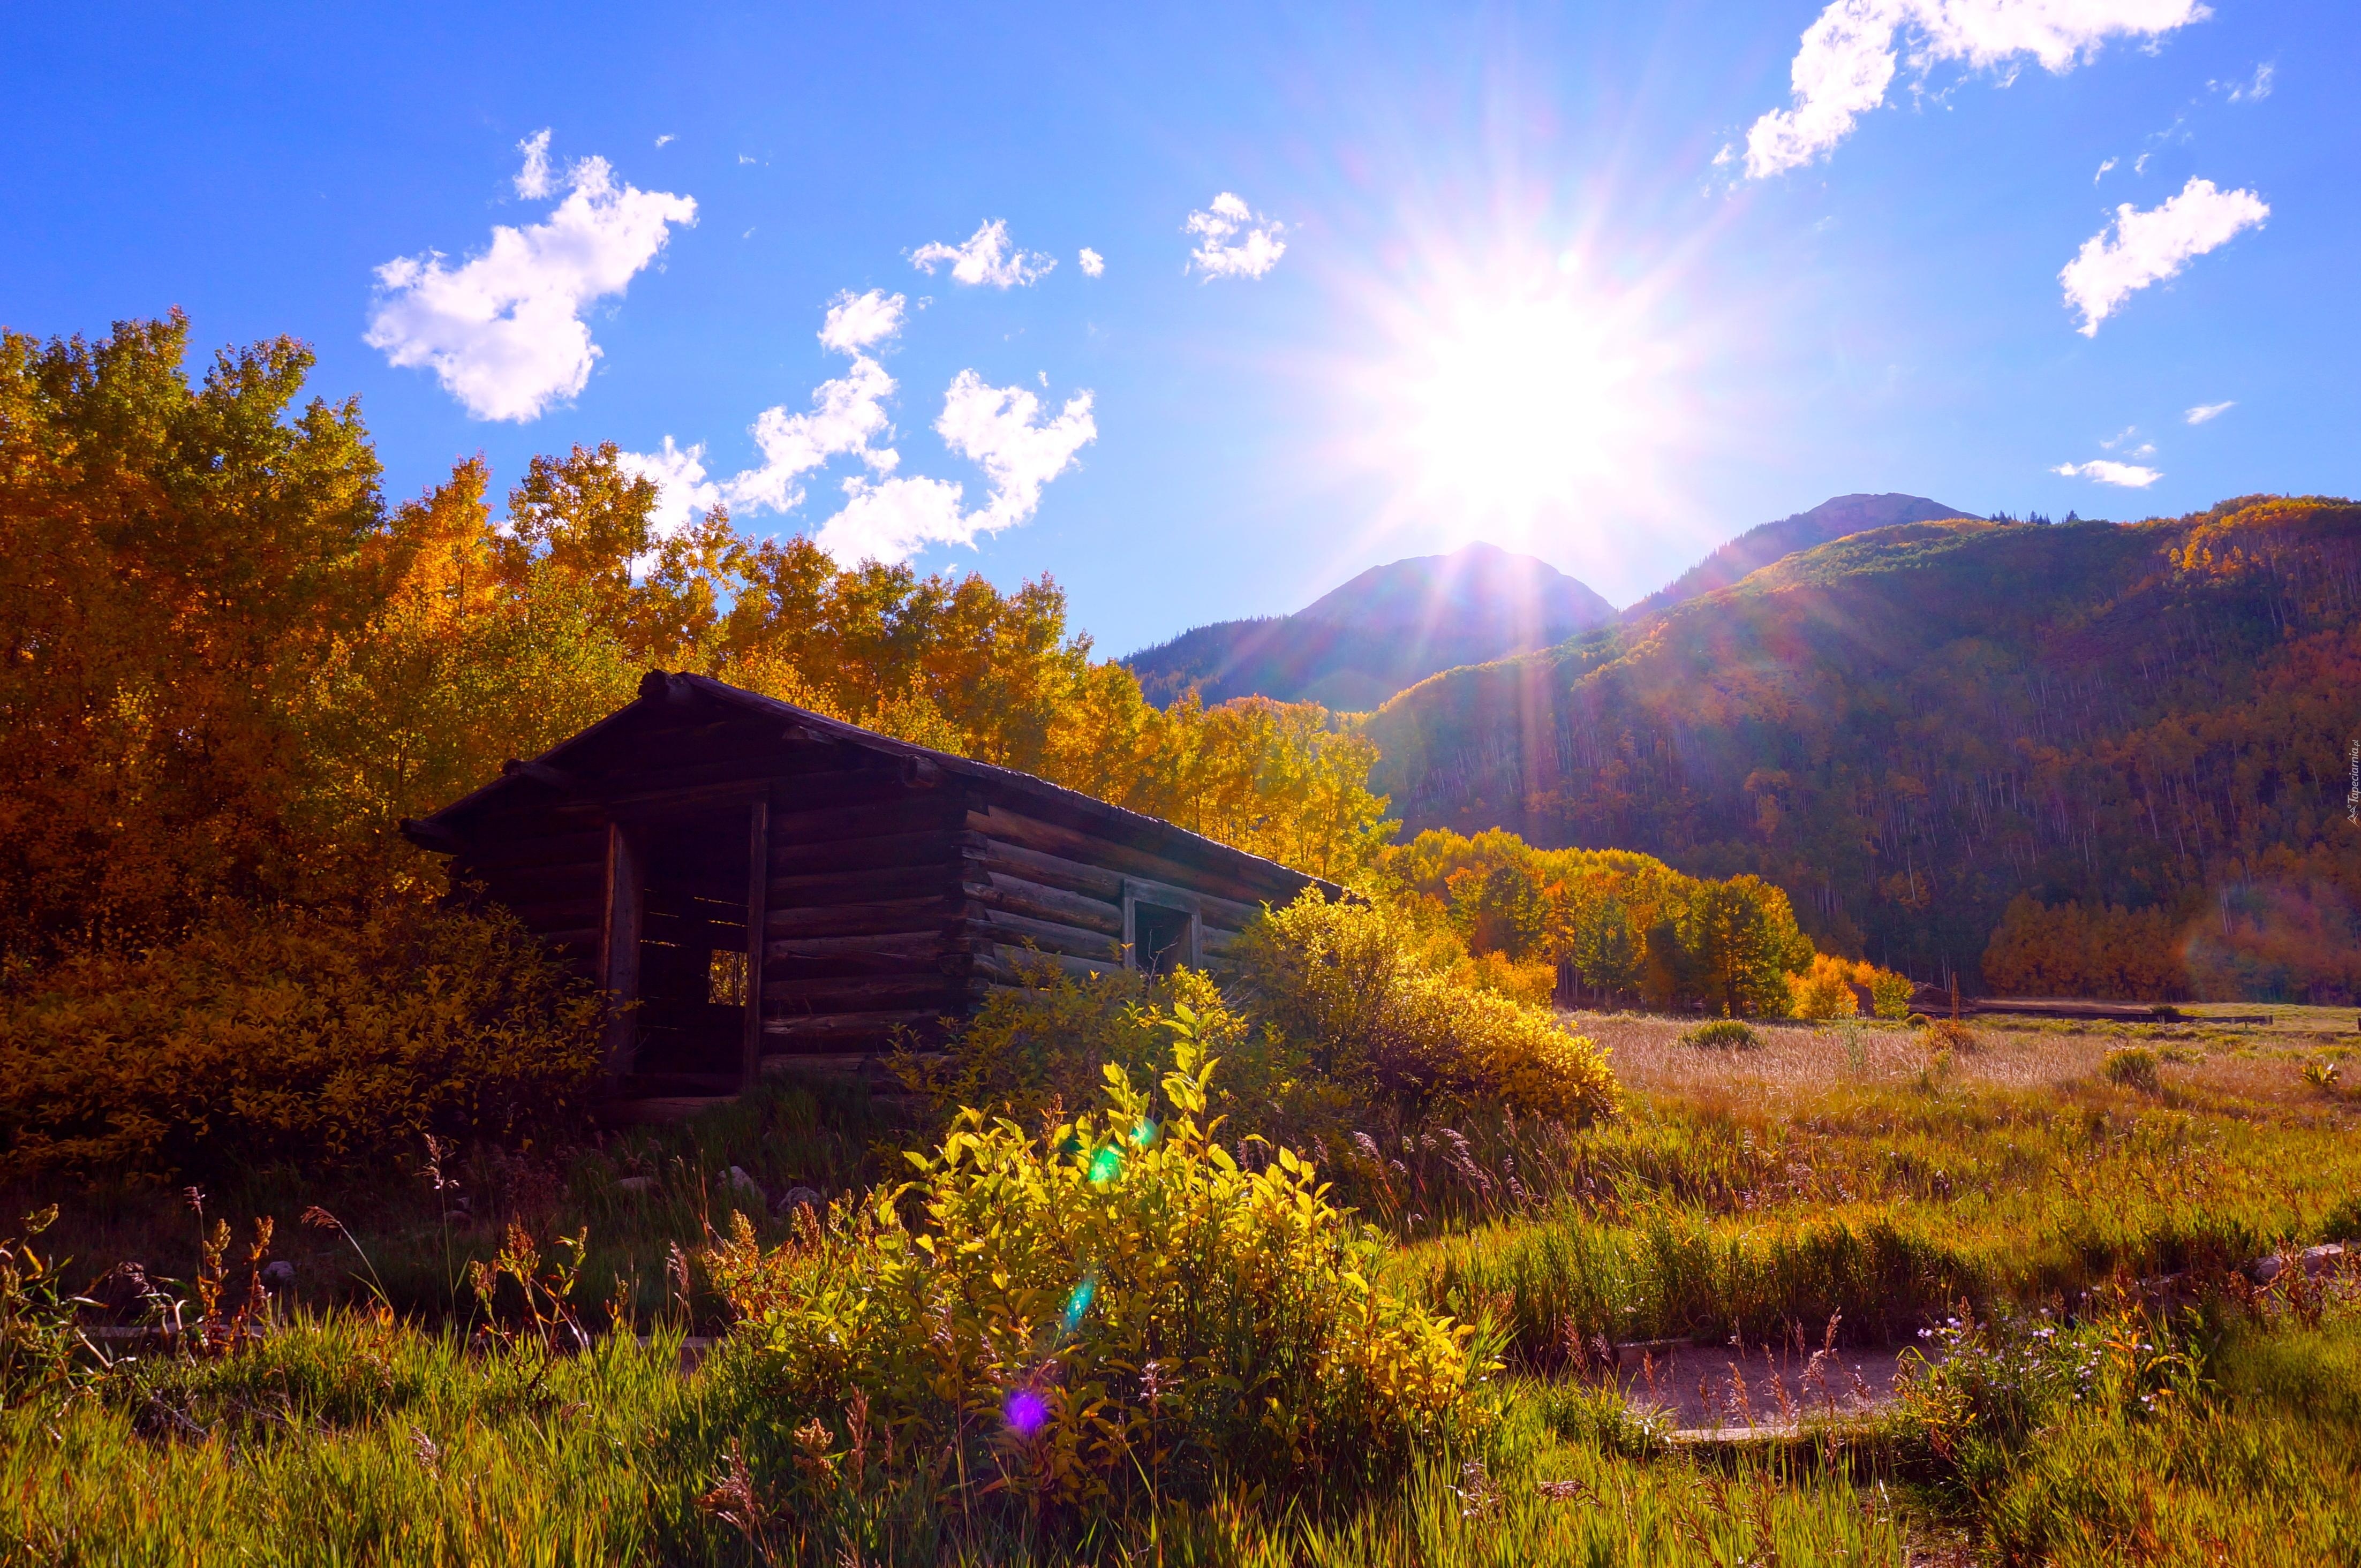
[774, 891]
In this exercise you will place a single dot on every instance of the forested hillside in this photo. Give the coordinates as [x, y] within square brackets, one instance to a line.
[1389, 628]
[2123, 730]
[1759, 546]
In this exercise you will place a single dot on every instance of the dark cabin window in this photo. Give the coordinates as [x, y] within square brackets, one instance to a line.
[1162, 938]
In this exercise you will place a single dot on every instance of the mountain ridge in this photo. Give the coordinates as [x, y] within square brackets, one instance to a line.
[1910, 728]
[1382, 630]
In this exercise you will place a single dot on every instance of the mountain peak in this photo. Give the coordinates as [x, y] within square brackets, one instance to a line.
[1389, 628]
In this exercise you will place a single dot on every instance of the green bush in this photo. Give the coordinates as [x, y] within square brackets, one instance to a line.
[2134, 1067]
[1043, 1047]
[278, 1035]
[1356, 989]
[1723, 1034]
[1112, 1308]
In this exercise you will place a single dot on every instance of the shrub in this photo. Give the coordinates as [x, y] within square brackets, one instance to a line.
[1111, 1307]
[1045, 1044]
[1723, 1034]
[272, 1036]
[1916, 1021]
[1950, 1035]
[1823, 991]
[1889, 993]
[2321, 1073]
[1359, 990]
[2133, 1067]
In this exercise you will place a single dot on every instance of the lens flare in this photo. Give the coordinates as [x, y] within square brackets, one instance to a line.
[1026, 1412]
[1106, 1166]
[1142, 1134]
[1079, 1303]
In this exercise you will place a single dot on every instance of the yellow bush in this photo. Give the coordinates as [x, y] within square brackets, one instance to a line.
[1825, 990]
[1359, 989]
[1532, 981]
[1112, 1305]
[275, 1035]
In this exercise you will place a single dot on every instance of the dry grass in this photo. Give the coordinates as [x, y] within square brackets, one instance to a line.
[2217, 1065]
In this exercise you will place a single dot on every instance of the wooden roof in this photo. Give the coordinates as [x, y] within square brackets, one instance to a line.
[668, 698]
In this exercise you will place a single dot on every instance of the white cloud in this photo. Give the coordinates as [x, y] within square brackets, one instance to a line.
[846, 416]
[1093, 265]
[986, 257]
[534, 181]
[681, 484]
[664, 138]
[2131, 476]
[1215, 257]
[856, 321]
[2204, 412]
[503, 332]
[893, 520]
[2102, 174]
[2140, 248]
[1847, 57]
[999, 428]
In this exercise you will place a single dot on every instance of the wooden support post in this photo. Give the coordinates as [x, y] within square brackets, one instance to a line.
[758, 884]
[618, 956]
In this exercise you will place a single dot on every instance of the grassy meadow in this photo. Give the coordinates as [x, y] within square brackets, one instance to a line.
[2063, 1238]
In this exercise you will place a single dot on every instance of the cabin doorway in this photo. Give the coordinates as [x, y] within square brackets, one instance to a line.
[698, 978]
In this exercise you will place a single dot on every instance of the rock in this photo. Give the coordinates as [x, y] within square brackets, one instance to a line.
[745, 1186]
[278, 1274]
[796, 1197]
[2317, 1260]
[636, 1184]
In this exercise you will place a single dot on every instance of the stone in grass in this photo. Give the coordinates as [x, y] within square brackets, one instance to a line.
[638, 1186]
[2317, 1260]
[278, 1274]
[796, 1197]
[741, 1185]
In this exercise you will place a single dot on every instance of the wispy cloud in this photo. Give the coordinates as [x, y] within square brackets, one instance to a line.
[503, 331]
[2130, 476]
[986, 257]
[1225, 221]
[856, 321]
[886, 517]
[1093, 264]
[2203, 412]
[2102, 174]
[2140, 248]
[534, 181]
[2252, 89]
[664, 138]
[1848, 56]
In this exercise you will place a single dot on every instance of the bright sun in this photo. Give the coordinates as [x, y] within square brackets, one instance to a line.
[1518, 407]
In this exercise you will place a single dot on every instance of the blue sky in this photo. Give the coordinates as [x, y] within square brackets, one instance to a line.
[1542, 275]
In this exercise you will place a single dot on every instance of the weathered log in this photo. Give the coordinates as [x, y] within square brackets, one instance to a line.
[859, 919]
[819, 1027]
[1053, 871]
[862, 992]
[1004, 965]
[1030, 898]
[845, 853]
[847, 887]
[999, 926]
[1048, 839]
[901, 812]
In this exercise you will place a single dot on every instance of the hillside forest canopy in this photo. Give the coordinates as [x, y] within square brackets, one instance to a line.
[2058, 760]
